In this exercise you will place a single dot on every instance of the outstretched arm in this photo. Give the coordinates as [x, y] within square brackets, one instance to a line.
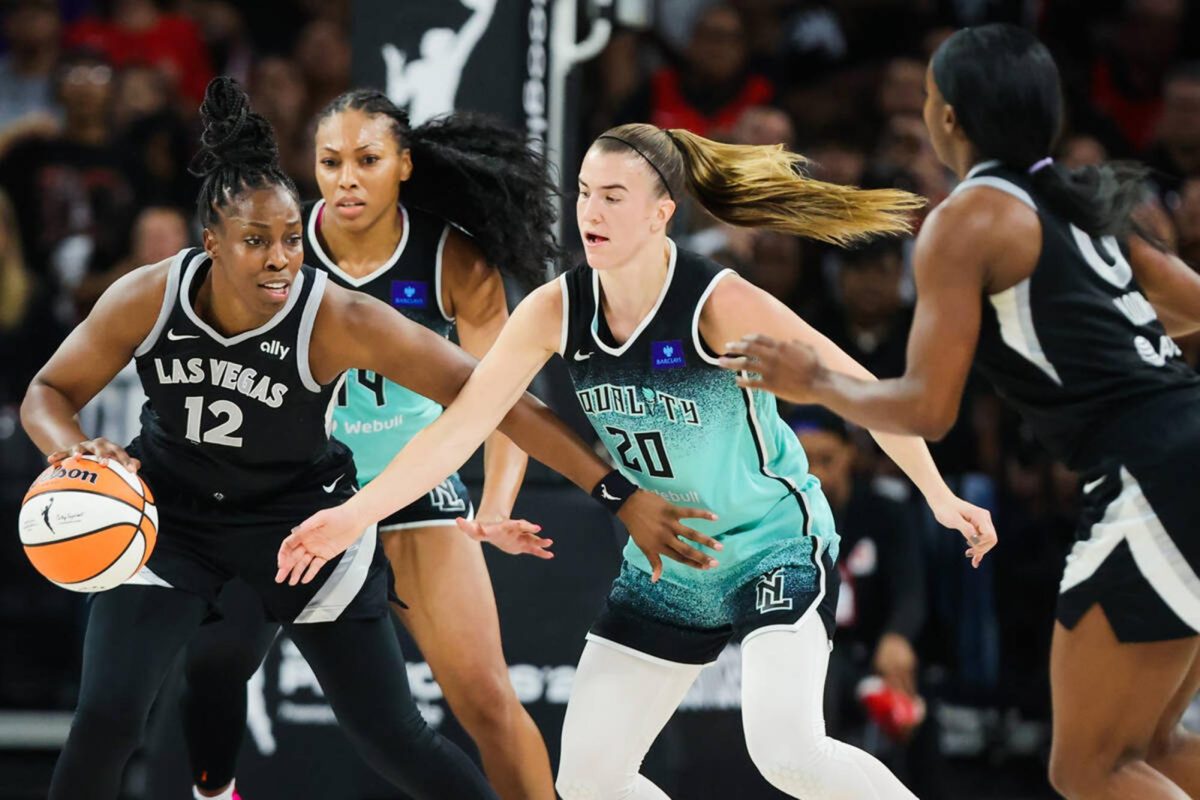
[736, 307]
[356, 330]
[1171, 286]
[476, 300]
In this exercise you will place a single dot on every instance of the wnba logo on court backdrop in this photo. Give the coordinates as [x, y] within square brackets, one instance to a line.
[427, 81]
[769, 593]
[666, 355]
[409, 294]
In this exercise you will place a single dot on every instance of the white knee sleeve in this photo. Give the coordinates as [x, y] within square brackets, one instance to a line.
[783, 682]
[619, 703]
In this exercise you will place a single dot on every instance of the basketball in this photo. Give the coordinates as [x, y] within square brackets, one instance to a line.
[88, 527]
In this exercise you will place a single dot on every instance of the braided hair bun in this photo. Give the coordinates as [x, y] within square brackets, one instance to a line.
[238, 151]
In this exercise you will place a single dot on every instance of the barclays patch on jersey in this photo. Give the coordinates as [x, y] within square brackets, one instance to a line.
[410, 294]
[667, 355]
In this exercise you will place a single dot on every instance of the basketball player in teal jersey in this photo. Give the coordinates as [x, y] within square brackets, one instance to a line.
[394, 203]
[641, 326]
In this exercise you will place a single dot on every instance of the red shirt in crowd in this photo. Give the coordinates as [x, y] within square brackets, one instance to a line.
[669, 108]
[172, 44]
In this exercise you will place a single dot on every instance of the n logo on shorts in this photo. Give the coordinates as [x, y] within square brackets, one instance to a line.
[769, 593]
[446, 499]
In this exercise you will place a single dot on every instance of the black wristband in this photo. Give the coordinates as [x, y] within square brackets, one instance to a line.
[613, 490]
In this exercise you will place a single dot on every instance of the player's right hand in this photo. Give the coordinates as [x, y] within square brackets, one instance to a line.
[315, 542]
[100, 447]
[655, 527]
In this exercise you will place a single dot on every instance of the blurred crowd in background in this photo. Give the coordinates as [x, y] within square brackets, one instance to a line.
[98, 120]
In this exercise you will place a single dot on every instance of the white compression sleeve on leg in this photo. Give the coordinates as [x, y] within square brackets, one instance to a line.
[619, 703]
[783, 686]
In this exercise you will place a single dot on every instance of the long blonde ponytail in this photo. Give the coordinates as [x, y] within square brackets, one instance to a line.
[764, 186]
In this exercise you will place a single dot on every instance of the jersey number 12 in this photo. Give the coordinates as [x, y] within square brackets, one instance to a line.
[229, 420]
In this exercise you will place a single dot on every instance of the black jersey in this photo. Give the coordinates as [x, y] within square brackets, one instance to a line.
[239, 417]
[410, 281]
[1076, 347]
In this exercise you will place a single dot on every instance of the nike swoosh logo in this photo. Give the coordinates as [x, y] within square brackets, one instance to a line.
[580, 356]
[329, 489]
[1087, 487]
[176, 337]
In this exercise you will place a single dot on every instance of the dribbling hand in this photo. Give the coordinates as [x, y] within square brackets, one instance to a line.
[514, 536]
[655, 527]
[100, 447]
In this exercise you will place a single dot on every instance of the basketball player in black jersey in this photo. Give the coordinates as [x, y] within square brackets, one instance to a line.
[240, 349]
[1039, 276]
[395, 201]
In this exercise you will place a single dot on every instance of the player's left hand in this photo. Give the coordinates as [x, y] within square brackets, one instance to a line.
[315, 542]
[513, 536]
[785, 369]
[973, 522]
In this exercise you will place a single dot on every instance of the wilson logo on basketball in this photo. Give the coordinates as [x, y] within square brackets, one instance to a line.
[71, 474]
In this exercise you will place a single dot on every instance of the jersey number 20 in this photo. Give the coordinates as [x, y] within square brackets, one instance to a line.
[650, 445]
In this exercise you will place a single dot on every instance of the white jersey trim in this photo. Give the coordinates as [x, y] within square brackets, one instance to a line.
[147, 577]
[227, 341]
[1130, 518]
[343, 584]
[169, 294]
[428, 523]
[1015, 315]
[437, 272]
[332, 266]
[566, 316]
[304, 335]
[662, 295]
[697, 342]
[1006, 186]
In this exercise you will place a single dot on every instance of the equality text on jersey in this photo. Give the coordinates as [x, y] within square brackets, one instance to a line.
[633, 401]
[222, 374]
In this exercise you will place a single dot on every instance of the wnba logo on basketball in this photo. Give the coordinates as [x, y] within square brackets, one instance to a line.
[85, 475]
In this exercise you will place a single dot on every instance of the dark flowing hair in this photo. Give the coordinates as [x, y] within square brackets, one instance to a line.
[478, 174]
[1007, 95]
[237, 153]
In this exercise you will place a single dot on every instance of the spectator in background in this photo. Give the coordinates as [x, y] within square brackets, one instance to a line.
[1126, 82]
[31, 31]
[77, 201]
[27, 332]
[226, 38]
[1176, 153]
[1082, 150]
[1186, 214]
[872, 321]
[138, 31]
[141, 91]
[763, 125]
[323, 55]
[881, 603]
[278, 91]
[158, 233]
[901, 89]
[711, 88]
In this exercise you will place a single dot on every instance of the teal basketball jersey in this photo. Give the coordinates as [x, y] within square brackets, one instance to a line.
[374, 416]
[677, 424]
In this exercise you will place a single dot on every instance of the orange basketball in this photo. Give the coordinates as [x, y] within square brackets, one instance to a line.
[88, 527]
